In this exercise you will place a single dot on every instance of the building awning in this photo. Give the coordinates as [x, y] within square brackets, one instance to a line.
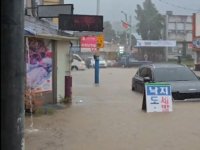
[56, 37]
[52, 37]
[42, 29]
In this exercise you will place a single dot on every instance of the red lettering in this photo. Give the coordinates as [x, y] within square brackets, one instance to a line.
[165, 108]
[165, 100]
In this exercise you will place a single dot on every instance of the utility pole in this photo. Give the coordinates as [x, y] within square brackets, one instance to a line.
[130, 36]
[166, 32]
[98, 6]
[96, 55]
[12, 74]
[126, 21]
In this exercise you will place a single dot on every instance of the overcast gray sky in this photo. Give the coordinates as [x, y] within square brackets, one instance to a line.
[111, 9]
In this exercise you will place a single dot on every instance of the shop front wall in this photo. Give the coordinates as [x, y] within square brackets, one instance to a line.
[63, 67]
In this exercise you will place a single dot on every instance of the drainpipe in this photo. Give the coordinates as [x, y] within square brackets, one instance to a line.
[68, 79]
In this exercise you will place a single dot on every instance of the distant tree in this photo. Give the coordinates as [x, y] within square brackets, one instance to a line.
[109, 33]
[121, 38]
[150, 22]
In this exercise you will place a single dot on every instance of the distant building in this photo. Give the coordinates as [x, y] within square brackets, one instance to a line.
[196, 39]
[179, 28]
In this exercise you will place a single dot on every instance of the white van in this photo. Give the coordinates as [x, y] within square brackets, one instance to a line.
[78, 63]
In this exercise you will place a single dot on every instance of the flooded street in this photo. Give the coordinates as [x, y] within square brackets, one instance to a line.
[108, 116]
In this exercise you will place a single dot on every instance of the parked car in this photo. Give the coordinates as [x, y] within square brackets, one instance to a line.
[77, 63]
[185, 84]
[111, 63]
[127, 61]
[91, 62]
[102, 62]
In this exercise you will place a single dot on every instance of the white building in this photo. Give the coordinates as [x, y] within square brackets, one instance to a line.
[179, 28]
[196, 39]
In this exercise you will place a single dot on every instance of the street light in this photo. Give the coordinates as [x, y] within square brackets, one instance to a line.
[98, 6]
[130, 26]
[125, 30]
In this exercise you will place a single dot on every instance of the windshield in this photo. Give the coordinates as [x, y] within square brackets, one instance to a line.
[174, 74]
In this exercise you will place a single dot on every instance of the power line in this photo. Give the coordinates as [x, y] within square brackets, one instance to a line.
[180, 7]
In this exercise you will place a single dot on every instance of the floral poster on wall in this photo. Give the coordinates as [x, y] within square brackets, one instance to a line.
[38, 65]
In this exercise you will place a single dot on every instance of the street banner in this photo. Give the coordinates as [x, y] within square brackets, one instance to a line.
[156, 43]
[157, 97]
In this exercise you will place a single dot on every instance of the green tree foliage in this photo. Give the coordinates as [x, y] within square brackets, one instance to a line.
[150, 22]
[109, 33]
[122, 39]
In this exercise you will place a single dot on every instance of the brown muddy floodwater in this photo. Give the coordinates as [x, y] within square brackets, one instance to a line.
[109, 117]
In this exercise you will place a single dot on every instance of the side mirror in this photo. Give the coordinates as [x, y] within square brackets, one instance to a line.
[147, 79]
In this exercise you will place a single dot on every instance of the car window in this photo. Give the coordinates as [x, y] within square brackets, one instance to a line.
[174, 74]
[76, 58]
[149, 73]
[144, 72]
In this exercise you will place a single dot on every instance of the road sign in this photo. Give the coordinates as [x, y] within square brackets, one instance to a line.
[100, 41]
[158, 97]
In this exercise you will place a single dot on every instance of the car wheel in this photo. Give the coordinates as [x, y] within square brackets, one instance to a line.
[74, 68]
[133, 89]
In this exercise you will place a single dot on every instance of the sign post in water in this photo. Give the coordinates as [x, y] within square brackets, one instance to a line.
[157, 97]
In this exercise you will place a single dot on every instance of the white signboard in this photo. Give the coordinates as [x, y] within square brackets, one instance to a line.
[156, 43]
[158, 97]
[50, 11]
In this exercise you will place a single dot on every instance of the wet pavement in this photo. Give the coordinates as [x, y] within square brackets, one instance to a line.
[108, 116]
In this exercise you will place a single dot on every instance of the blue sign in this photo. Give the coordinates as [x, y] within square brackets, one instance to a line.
[158, 90]
[75, 49]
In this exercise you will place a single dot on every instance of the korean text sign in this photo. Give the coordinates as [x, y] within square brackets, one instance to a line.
[158, 97]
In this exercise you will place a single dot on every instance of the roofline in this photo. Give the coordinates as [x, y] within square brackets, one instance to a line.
[154, 65]
[53, 37]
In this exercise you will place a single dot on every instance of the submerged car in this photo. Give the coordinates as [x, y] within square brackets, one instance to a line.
[102, 62]
[185, 84]
[127, 61]
[89, 61]
[77, 63]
